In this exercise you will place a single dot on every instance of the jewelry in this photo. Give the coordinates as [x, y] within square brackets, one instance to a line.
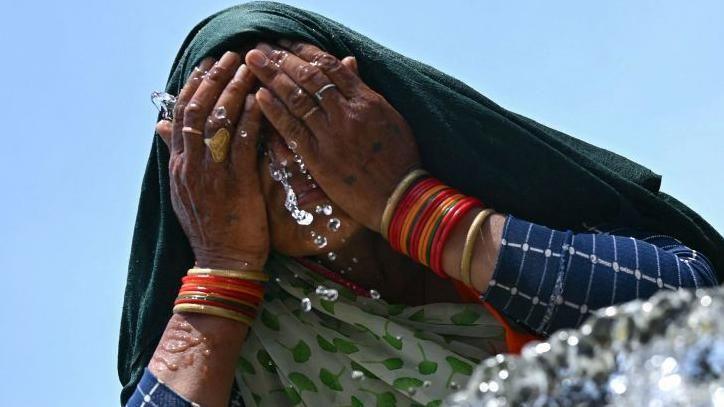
[310, 112]
[318, 94]
[470, 239]
[192, 130]
[211, 310]
[242, 275]
[219, 145]
[393, 200]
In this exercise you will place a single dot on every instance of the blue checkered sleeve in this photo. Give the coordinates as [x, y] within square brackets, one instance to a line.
[152, 392]
[547, 279]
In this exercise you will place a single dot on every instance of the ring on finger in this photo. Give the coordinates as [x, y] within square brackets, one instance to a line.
[219, 144]
[318, 94]
[188, 129]
[310, 112]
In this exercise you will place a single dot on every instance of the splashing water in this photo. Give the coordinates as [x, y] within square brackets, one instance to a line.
[279, 173]
[375, 294]
[164, 102]
[334, 224]
[329, 294]
[357, 375]
[323, 209]
[320, 241]
[332, 256]
[306, 304]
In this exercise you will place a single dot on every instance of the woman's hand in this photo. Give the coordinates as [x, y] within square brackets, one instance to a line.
[217, 197]
[356, 145]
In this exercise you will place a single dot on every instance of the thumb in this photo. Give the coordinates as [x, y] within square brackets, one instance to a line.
[164, 129]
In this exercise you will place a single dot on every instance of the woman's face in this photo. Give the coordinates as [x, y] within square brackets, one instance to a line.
[287, 236]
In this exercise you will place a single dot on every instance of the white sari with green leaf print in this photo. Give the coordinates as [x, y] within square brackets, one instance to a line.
[357, 351]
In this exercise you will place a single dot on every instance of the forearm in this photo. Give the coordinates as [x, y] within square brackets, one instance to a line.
[196, 357]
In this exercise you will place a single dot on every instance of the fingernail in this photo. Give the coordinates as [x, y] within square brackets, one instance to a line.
[284, 43]
[227, 58]
[249, 102]
[257, 58]
[241, 72]
[264, 47]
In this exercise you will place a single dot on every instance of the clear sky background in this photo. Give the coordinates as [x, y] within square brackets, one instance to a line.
[641, 78]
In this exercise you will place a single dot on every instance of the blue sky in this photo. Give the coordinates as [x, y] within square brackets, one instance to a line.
[641, 78]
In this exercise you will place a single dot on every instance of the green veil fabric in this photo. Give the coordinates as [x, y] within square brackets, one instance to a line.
[508, 161]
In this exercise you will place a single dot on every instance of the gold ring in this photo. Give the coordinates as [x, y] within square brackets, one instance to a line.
[219, 145]
[310, 112]
[192, 130]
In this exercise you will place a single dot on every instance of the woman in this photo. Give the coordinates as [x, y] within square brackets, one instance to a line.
[411, 346]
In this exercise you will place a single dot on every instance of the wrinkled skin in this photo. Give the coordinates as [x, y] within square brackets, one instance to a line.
[356, 145]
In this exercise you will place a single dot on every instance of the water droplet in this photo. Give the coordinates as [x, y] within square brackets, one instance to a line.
[243, 134]
[375, 294]
[411, 391]
[278, 280]
[331, 295]
[354, 260]
[332, 256]
[357, 375]
[280, 174]
[164, 102]
[219, 113]
[341, 271]
[327, 209]
[334, 224]
[320, 241]
[454, 385]
[306, 304]
[426, 383]
[292, 145]
[318, 209]
[349, 268]
[398, 337]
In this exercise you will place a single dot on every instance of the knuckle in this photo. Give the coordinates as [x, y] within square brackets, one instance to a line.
[193, 111]
[216, 74]
[236, 86]
[178, 109]
[309, 74]
[325, 61]
[277, 57]
[298, 99]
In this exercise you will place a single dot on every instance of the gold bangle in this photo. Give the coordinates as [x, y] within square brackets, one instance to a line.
[211, 310]
[467, 259]
[242, 275]
[394, 199]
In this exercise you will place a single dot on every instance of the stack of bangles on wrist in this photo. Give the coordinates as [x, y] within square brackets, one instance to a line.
[420, 215]
[229, 294]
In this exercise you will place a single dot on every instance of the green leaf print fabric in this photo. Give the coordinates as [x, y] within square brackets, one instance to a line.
[357, 351]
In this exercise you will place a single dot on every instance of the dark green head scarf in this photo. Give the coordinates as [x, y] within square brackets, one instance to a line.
[510, 162]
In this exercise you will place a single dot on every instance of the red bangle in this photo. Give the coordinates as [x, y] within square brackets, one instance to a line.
[429, 237]
[398, 218]
[203, 278]
[254, 299]
[448, 225]
[424, 218]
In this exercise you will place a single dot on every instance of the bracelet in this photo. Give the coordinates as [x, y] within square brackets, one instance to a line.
[230, 294]
[395, 198]
[242, 275]
[455, 216]
[211, 310]
[470, 239]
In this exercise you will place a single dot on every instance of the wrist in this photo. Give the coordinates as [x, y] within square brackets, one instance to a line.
[237, 261]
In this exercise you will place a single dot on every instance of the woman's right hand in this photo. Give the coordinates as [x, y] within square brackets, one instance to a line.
[218, 202]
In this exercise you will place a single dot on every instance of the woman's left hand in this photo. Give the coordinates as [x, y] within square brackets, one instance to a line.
[355, 144]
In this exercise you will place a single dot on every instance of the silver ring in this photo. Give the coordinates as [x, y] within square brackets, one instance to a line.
[310, 112]
[318, 94]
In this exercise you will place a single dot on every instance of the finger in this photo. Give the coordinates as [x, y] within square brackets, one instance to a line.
[164, 128]
[243, 154]
[304, 75]
[202, 102]
[295, 133]
[233, 95]
[187, 91]
[348, 83]
[351, 63]
[296, 99]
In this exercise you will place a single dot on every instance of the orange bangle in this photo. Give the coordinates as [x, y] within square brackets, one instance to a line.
[434, 220]
[414, 213]
[223, 287]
